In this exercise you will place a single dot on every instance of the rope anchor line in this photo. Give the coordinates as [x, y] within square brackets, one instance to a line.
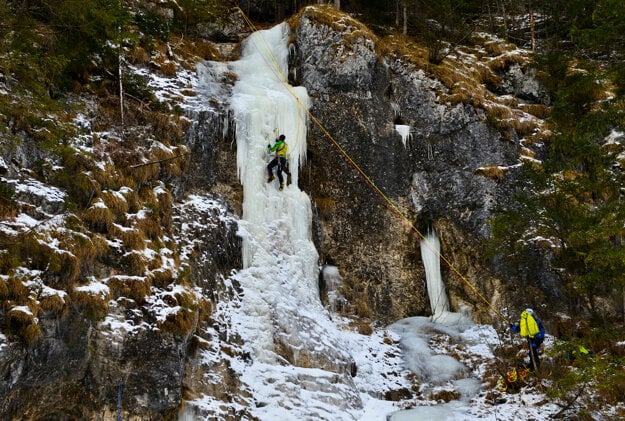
[388, 202]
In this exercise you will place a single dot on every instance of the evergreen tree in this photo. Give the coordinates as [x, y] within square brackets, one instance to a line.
[573, 202]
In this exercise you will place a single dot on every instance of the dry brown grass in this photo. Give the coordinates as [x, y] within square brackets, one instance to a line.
[8, 209]
[493, 171]
[143, 174]
[4, 289]
[138, 56]
[325, 206]
[149, 223]
[537, 110]
[70, 267]
[189, 53]
[131, 196]
[361, 326]
[161, 278]
[206, 309]
[497, 111]
[24, 324]
[134, 263]
[361, 306]
[63, 263]
[116, 202]
[182, 322]
[98, 216]
[31, 334]
[18, 315]
[8, 257]
[405, 48]
[132, 238]
[109, 176]
[82, 249]
[467, 73]
[164, 198]
[53, 302]
[335, 19]
[15, 289]
[543, 135]
[135, 287]
[95, 305]
[528, 153]
[523, 125]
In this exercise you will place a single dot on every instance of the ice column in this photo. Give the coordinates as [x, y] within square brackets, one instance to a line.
[430, 253]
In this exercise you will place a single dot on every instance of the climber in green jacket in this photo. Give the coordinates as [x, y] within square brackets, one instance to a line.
[280, 148]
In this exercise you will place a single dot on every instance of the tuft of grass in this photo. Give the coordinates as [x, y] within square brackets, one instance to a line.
[362, 326]
[24, 323]
[133, 238]
[98, 216]
[4, 289]
[138, 56]
[15, 289]
[117, 203]
[93, 305]
[162, 278]
[335, 19]
[62, 265]
[325, 206]
[537, 110]
[8, 259]
[134, 263]
[133, 287]
[182, 322]
[31, 333]
[492, 171]
[54, 303]
[168, 68]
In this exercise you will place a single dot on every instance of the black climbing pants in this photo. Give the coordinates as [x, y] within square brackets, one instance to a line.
[280, 162]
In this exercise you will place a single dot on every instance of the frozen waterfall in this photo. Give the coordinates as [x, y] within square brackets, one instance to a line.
[297, 352]
[430, 254]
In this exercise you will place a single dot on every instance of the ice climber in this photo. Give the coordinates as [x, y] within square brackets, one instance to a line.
[531, 329]
[279, 148]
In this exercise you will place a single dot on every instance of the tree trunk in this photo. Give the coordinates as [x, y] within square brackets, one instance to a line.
[405, 28]
[532, 33]
[120, 61]
[397, 13]
[502, 6]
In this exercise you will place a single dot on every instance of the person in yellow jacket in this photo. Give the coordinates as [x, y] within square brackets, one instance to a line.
[531, 329]
[280, 149]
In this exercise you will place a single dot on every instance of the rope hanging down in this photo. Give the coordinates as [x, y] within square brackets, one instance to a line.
[388, 202]
[274, 66]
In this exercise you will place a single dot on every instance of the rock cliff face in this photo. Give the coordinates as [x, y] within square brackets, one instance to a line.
[436, 177]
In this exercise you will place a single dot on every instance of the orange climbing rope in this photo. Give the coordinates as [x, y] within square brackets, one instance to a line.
[388, 202]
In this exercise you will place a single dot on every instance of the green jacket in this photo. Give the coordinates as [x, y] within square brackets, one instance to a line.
[280, 148]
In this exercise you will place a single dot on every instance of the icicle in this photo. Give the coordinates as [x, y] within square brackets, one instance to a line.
[404, 131]
[430, 253]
